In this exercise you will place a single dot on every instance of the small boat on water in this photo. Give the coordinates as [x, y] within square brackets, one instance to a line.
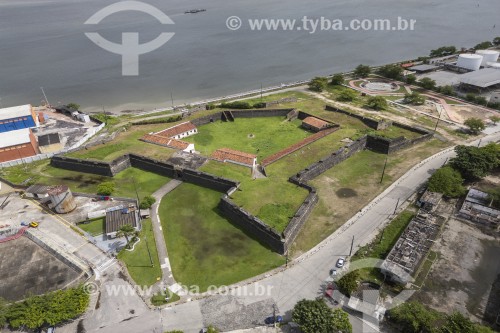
[194, 11]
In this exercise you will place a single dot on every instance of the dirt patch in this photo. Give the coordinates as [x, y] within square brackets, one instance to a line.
[26, 268]
[346, 193]
[465, 272]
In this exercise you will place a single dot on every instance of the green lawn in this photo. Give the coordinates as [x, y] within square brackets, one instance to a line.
[159, 299]
[260, 136]
[94, 227]
[138, 262]
[43, 173]
[204, 248]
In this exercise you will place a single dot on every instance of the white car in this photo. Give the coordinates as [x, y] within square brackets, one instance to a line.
[340, 262]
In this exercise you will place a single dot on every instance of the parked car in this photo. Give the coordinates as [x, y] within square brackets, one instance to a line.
[340, 262]
[271, 320]
[34, 224]
[333, 272]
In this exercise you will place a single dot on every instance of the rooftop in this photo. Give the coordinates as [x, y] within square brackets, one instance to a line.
[423, 68]
[13, 138]
[177, 129]
[227, 154]
[315, 122]
[38, 189]
[482, 78]
[48, 139]
[15, 112]
[117, 217]
[167, 142]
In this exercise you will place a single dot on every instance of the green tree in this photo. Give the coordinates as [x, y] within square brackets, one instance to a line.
[483, 45]
[318, 84]
[447, 90]
[475, 163]
[126, 231]
[105, 188]
[495, 119]
[443, 51]
[413, 317]
[347, 95]
[211, 329]
[427, 83]
[362, 71]
[457, 322]
[448, 181]
[147, 202]
[73, 106]
[411, 78]
[475, 125]
[337, 79]
[471, 97]
[3, 312]
[348, 283]
[316, 317]
[377, 103]
[341, 321]
[414, 98]
[496, 41]
[391, 71]
[50, 309]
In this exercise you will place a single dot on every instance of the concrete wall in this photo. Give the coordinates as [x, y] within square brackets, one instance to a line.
[251, 225]
[258, 113]
[372, 123]
[330, 161]
[85, 166]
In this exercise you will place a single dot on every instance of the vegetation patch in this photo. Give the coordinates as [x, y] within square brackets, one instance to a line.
[204, 248]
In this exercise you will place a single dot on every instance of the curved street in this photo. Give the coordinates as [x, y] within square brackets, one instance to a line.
[305, 277]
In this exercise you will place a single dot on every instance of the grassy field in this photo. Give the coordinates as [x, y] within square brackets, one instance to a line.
[351, 185]
[138, 262]
[204, 248]
[128, 142]
[260, 136]
[94, 227]
[160, 299]
[43, 173]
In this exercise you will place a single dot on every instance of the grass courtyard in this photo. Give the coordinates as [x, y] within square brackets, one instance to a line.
[138, 262]
[42, 173]
[95, 227]
[204, 248]
[259, 136]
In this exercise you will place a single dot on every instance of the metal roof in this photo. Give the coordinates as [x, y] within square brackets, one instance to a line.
[39, 189]
[115, 219]
[14, 138]
[15, 112]
[48, 139]
[423, 68]
[482, 78]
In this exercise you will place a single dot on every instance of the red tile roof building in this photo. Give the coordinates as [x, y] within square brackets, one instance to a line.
[235, 156]
[179, 131]
[168, 142]
[314, 124]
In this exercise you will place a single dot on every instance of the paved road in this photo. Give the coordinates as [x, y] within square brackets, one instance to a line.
[306, 276]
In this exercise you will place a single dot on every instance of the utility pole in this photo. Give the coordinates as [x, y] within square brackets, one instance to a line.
[274, 314]
[145, 237]
[172, 99]
[352, 245]
[437, 122]
[383, 170]
[261, 92]
[396, 208]
[479, 143]
[45, 96]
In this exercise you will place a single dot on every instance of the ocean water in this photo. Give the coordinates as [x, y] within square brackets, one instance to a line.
[42, 43]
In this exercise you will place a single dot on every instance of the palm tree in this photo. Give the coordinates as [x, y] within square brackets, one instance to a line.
[125, 230]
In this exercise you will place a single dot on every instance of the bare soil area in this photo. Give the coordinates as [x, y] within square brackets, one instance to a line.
[465, 277]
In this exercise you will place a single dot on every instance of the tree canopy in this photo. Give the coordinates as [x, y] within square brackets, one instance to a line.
[316, 317]
[427, 83]
[443, 51]
[105, 188]
[337, 79]
[475, 163]
[362, 71]
[377, 103]
[448, 181]
[348, 283]
[475, 125]
[414, 98]
[483, 45]
[391, 71]
[318, 84]
[49, 309]
[347, 95]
